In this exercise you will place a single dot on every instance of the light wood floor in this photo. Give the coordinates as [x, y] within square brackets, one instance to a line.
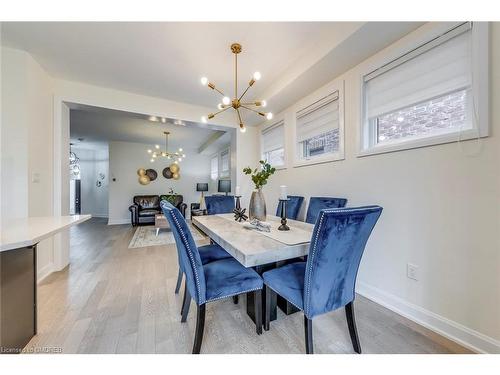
[112, 299]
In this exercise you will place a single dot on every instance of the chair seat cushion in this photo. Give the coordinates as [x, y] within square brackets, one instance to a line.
[288, 282]
[211, 253]
[149, 212]
[227, 277]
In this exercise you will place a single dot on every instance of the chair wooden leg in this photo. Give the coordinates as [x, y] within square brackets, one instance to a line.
[200, 326]
[267, 317]
[258, 311]
[236, 299]
[351, 323]
[179, 282]
[186, 302]
[308, 330]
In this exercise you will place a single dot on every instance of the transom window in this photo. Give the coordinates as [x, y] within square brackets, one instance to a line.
[225, 163]
[214, 168]
[423, 97]
[273, 144]
[318, 129]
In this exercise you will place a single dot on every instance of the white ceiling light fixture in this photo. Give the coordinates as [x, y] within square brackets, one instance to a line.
[177, 156]
[236, 103]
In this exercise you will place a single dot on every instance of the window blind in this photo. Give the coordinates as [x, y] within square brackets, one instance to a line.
[273, 138]
[214, 168]
[318, 118]
[224, 158]
[436, 68]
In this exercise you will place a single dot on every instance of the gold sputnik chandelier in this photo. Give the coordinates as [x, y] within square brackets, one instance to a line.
[176, 156]
[237, 102]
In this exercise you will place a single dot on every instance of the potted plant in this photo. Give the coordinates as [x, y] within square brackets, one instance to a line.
[257, 209]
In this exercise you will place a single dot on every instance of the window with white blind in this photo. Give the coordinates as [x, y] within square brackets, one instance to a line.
[225, 163]
[214, 167]
[426, 96]
[273, 144]
[319, 130]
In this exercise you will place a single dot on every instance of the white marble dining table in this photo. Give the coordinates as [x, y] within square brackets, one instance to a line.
[254, 248]
[260, 250]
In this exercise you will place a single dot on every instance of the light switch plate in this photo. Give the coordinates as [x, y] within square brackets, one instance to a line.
[412, 271]
[35, 177]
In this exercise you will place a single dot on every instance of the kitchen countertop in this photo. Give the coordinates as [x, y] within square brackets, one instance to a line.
[23, 232]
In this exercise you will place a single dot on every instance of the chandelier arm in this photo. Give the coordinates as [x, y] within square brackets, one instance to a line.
[253, 110]
[212, 115]
[239, 116]
[251, 103]
[212, 86]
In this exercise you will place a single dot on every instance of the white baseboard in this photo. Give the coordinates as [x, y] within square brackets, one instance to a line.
[104, 216]
[43, 272]
[118, 221]
[469, 338]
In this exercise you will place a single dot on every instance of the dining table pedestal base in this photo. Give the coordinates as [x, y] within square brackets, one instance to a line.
[250, 296]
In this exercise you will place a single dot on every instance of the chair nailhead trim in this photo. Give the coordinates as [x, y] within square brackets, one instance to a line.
[311, 259]
[186, 243]
[234, 294]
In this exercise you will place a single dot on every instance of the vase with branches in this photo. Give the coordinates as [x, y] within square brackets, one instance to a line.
[259, 176]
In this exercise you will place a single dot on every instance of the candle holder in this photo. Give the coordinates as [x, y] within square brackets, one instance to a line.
[239, 213]
[283, 225]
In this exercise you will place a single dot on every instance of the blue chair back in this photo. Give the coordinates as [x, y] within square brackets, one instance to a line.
[187, 251]
[337, 244]
[292, 207]
[219, 204]
[316, 204]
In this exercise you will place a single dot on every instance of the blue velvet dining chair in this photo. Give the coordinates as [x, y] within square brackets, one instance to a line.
[316, 204]
[292, 207]
[212, 281]
[219, 204]
[326, 282]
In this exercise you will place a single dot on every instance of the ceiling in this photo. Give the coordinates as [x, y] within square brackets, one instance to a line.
[167, 59]
[93, 128]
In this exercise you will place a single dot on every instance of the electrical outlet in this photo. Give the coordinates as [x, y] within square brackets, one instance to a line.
[412, 271]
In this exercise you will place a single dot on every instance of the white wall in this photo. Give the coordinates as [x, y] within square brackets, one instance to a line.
[125, 158]
[27, 169]
[94, 199]
[441, 212]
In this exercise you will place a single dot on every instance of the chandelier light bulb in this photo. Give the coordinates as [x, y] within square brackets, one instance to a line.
[149, 151]
[157, 146]
[257, 76]
[184, 155]
[263, 103]
[220, 106]
[226, 100]
[269, 116]
[180, 159]
[152, 160]
[180, 149]
[204, 81]
[204, 119]
[243, 129]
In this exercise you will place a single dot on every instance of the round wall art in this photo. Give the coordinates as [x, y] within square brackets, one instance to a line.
[151, 173]
[167, 173]
[144, 180]
[174, 168]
